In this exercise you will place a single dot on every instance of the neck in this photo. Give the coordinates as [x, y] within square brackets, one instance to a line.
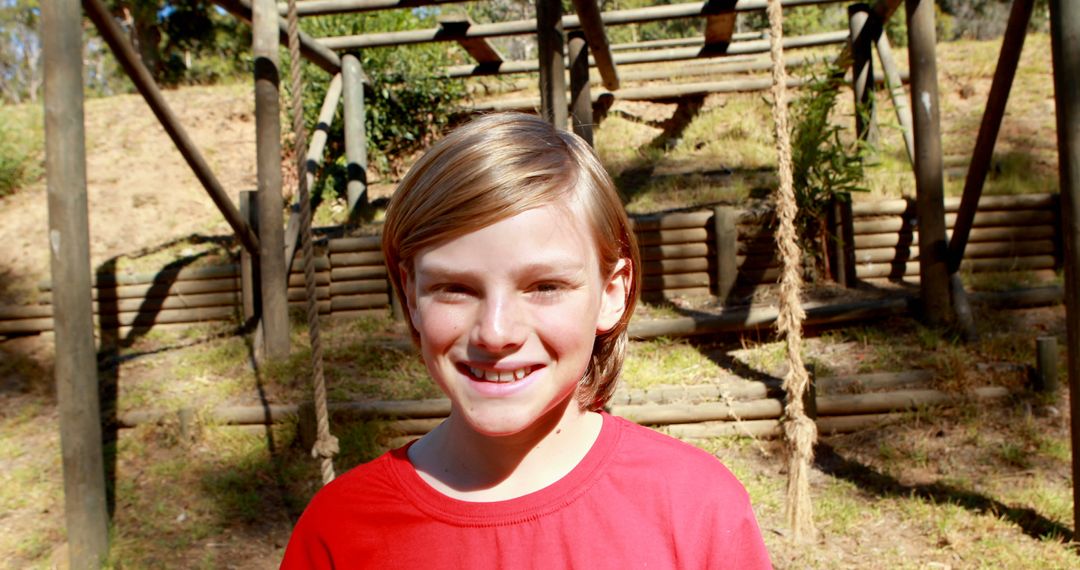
[464, 464]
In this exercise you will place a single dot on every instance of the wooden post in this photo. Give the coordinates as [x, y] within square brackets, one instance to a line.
[895, 84]
[355, 138]
[272, 277]
[549, 39]
[929, 174]
[1011, 46]
[862, 77]
[726, 236]
[580, 96]
[592, 26]
[842, 242]
[1065, 47]
[249, 275]
[1046, 361]
[69, 245]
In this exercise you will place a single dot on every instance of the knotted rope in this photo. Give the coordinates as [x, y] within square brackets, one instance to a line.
[799, 430]
[326, 445]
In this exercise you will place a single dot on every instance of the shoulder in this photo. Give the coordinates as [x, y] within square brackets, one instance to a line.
[668, 459]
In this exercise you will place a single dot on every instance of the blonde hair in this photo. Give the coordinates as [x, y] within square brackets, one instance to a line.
[498, 166]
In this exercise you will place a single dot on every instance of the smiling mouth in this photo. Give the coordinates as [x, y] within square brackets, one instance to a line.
[500, 376]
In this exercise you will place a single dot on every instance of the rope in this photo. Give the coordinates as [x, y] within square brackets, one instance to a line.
[326, 445]
[799, 430]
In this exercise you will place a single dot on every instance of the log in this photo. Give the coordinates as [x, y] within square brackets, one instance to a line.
[864, 270]
[299, 294]
[982, 219]
[1002, 233]
[674, 266]
[15, 312]
[675, 281]
[687, 235]
[677, 293]
[359, 287]
[355, 244]
[356, 259]
[656, 252]
[874, 381]
[771, 408]
[357, 273]
[975, 250]
[161, 277]
[670, 221]
[153, 291]
[952, 204]
[263, 415]
[736, 390]
[296, 279]
[772, 428]
[370, 301]
[746, 318]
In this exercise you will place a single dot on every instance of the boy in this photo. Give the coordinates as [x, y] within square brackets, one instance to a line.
[512, 253]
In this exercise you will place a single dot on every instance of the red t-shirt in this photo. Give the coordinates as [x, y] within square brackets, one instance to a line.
[639, 499]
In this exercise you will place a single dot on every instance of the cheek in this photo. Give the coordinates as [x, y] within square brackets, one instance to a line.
[440, 324]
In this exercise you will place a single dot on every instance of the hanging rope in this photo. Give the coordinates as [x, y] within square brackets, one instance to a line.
[799, 430]
[326, 445]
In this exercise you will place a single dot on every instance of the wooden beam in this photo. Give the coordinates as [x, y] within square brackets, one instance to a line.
[659, 56]
[479, 49]
[355, 139]
[861, 42]
[581, 108]
[272, 269]
[78, 406]
[593, 26]
[1065, 47]
[894, 83]
[325, 7]
[882, 10]
[929, 174]
[682, 42]
[526, 27]
[719, 25]
[551, 62]
[1011, 46]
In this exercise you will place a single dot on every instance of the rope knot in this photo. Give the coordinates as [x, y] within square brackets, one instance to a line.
[326, 447]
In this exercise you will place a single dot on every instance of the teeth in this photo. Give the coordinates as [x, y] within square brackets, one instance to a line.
[499, 376]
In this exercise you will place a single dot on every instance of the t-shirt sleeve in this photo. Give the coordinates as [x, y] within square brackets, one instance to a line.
[306, 548]
[745, 545]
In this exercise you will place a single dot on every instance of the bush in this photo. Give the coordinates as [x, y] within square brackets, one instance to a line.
[20, 147]
[408, 105]
[825, 168]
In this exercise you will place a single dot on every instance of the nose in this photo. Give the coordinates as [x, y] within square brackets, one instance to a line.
[499, 324]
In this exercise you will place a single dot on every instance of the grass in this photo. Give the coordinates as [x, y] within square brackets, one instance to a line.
[22, 141]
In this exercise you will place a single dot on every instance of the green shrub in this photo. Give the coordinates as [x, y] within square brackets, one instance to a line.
[825, 168]
[20, 147]
[407, 107]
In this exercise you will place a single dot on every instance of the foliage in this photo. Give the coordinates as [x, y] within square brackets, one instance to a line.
[20, 147]
[407, 105]
[20, 50]
[825, 168]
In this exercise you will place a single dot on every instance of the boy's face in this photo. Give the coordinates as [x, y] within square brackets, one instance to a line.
[507, 315]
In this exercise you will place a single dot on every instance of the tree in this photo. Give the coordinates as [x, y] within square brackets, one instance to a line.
[20, 51]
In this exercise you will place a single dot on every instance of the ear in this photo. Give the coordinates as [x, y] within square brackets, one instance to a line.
[614, 297]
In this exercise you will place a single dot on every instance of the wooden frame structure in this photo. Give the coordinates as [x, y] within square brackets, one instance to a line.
[265, 240]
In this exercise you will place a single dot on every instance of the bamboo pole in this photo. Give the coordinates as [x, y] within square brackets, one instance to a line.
[144, 82]
[85, 509]
[1065, 47]
[274, 317]
[1011, 46]
[929, 175]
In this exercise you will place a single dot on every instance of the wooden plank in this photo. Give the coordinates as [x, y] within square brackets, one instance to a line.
[672, 266]
[671, 221]
[153, 291]
[1016, 218]
[297, 279]
[592, 25]
[357, 272]
[359, 287]
[355, 244]
[975, 250]
[686, 235]
[656, 252]
[952, 204]
[1029, 263]
[344, 303]
[361, 258]
[999, 233]
[675, 281]
[679, 293]
[478, 48]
